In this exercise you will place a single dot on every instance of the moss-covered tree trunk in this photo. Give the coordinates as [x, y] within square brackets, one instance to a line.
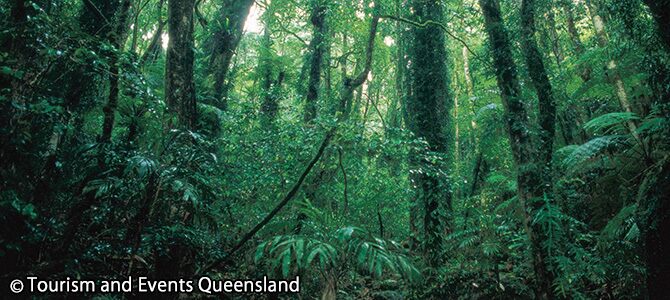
[179, 86]
[270, 85]
[317, 46]
[547, 119]
[233, 15]
[429, 118]
[317, 51]
[543, 88]
[96, 19]
[571, 24]
[529, 183]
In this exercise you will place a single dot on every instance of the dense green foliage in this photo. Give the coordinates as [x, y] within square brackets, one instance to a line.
[386, 149]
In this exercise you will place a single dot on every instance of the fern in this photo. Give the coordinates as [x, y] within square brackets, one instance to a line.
[352, 245]
[611, 123]
[620, 224]
[593, 148]
[653, 126]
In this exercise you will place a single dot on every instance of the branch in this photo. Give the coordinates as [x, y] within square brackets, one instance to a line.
[291, 194]
[379, 113]
[360, 79]
[97, 10]
[344, 173]
[439, 25]
[295, 35]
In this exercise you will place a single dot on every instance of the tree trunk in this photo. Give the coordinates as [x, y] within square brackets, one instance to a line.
[547, 119]
[348, 86]
[428, 110]
[179, 86]
[568, 9]
[553, 34]
[660, 9]
[529, 184]
[225, 40]
[271, 87]
[155, 45]
[654, 224]
[96, 19]
[612, 69]
[317, 51]
[654, 203]
[117, 39]
[394, 116]
[575, 38]
[543, 88]
[317, 45]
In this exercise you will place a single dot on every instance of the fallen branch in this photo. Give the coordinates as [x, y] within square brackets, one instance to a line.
[291, 194]
[353, 84]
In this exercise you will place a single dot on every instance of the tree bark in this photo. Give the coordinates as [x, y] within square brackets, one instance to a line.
[394, 116]
[547, 119]
[270, 87]
[348, 87]
[612, 68]
[179, 86]
[654, 203]
[117, 39]
[529, 184]
[317, 46]
[543, 88]
[553, 34]
[428, 110]
[96, 19]
[225, 41]
[654, 223]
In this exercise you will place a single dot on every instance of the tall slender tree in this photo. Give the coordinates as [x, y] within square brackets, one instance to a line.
[179, 86]
[117, 38]
[612, 65]
[317, 47]
[429, 118]
[529, 183]
[271, 84]
[543, 88]
[154, 49]
[226, 38]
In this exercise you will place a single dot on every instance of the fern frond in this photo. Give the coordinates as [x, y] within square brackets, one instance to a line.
[617, 225]
[593, 148]
[611, 123]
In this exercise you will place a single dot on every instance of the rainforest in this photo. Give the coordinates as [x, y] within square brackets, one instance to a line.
[362, 149]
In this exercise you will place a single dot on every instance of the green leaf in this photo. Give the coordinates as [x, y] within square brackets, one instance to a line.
[612, 122]
[286, 263]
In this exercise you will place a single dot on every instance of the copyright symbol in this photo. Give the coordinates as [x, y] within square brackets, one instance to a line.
[16, 286]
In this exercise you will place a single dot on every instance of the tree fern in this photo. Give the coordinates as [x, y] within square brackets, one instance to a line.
[594, 148]
[611, 123]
